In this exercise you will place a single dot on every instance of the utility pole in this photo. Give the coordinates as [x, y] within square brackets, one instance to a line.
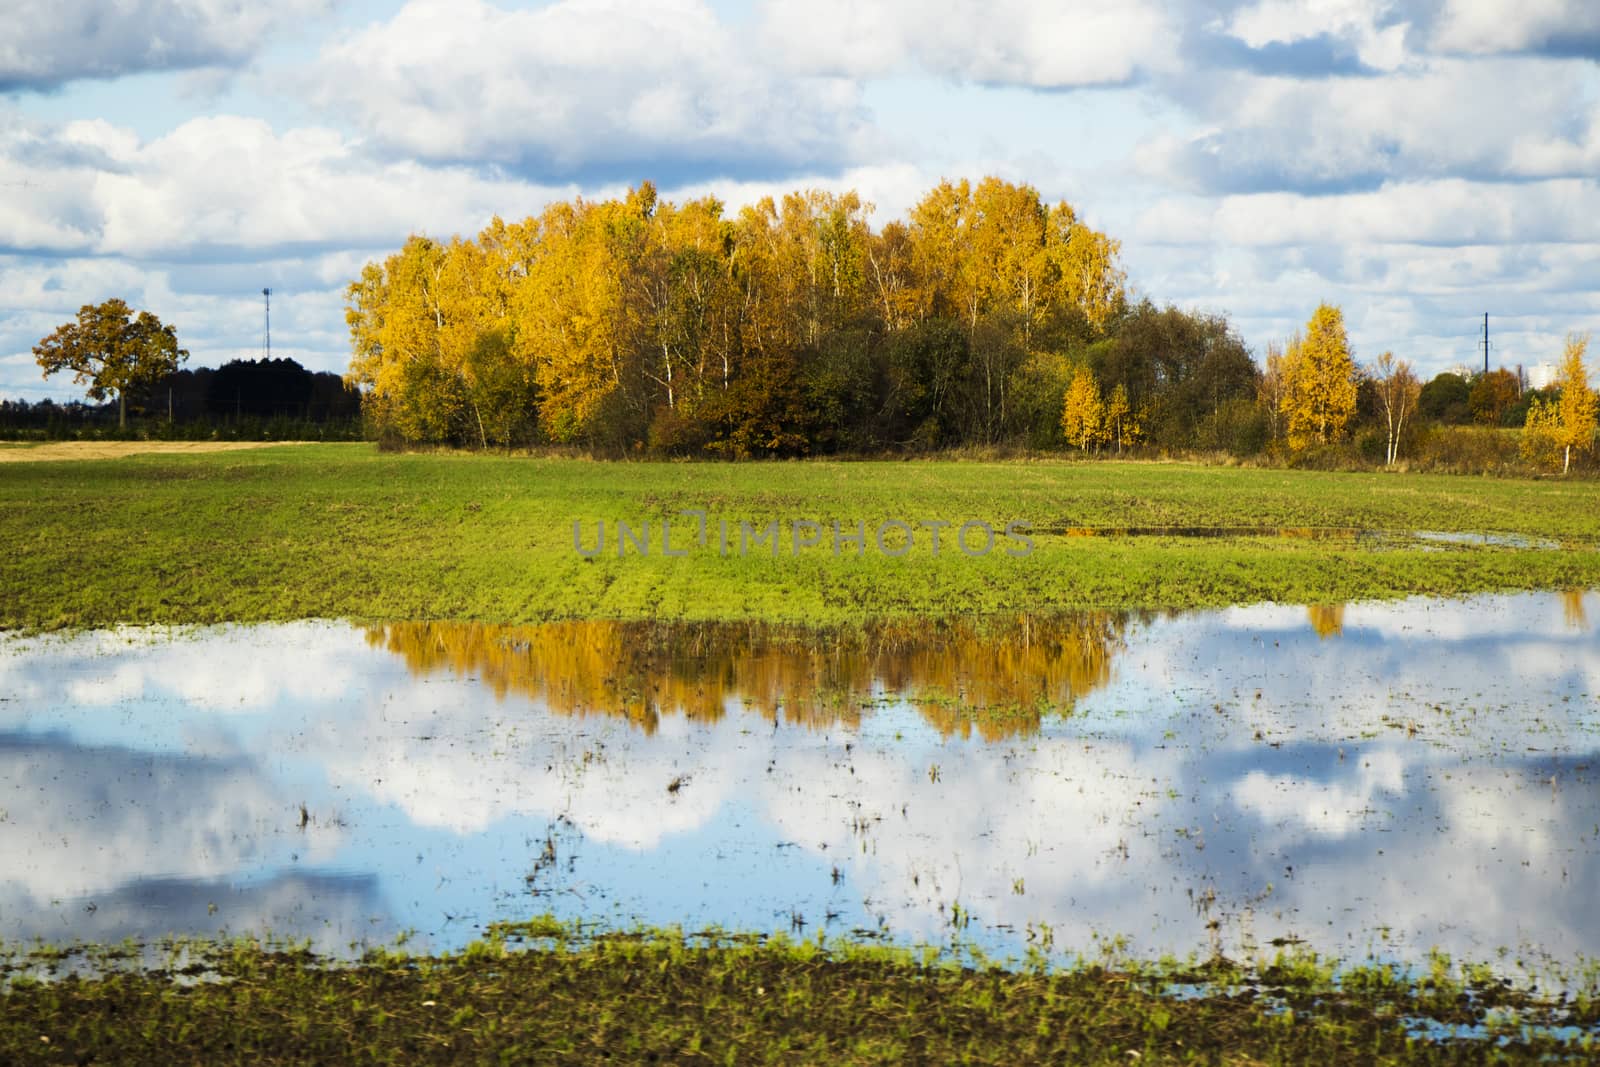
[266, 336]
[1485, 342]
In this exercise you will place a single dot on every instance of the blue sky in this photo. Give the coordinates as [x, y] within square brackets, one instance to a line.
[1418, 162]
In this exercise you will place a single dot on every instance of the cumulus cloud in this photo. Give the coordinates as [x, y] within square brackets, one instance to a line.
[1043, 46]
[1453, 213]
[1389, 32]
[602, 88]
[116, 815]
[1361, 27]
[1453, 118]
[227, 184]
[48, 44]
[1487, 27]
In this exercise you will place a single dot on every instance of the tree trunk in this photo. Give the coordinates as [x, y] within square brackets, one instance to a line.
[122, 409]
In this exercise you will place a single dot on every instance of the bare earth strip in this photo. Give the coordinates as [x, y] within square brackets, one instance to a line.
[59, 450]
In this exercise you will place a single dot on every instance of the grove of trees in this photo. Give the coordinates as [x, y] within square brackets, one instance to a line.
[789, 328]
[792, 327]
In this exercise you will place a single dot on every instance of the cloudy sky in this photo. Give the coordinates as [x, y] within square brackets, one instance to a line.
[1419, 162]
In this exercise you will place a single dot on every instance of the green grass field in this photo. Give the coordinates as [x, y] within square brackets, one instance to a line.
[660, 997]
[347, 531]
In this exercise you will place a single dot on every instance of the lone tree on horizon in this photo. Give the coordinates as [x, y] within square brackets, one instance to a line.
[112, 350]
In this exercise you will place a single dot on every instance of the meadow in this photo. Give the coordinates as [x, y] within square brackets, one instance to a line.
[659, 996]
[422, 547]
[344, 530]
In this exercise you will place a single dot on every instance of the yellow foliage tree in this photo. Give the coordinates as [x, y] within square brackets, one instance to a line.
[1541, 444]
[1273, 388]
[1089, 275]
[1121, 423]
[1575, 426]
[1321, 376]
[607, 322]
[1082, 411]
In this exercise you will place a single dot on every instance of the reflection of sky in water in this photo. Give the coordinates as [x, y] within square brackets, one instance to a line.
[1379, 778]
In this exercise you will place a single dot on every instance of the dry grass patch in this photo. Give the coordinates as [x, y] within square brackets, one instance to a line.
[73, 450]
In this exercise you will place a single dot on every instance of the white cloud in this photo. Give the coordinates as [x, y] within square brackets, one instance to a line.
[47, 44]
[1269, 22]
[228, 183]
[658, 89]
[1045, 46]
[1492, 26]
[1451, 118]
[116, 816]
[1452, 213]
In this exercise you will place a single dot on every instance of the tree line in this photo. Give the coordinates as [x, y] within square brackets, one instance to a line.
[985, 317]
[132, 360]
[792, 327]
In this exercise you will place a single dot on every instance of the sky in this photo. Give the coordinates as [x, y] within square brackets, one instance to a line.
[1417, 162]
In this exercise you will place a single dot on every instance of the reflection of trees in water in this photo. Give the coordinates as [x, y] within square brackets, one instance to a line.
[995, 675]
[1326, 619]
[1572, 609]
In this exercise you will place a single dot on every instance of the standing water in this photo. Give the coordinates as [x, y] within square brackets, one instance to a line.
[1372, 779]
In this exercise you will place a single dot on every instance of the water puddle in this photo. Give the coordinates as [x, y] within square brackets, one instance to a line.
[1350, 534]
[1365, 779]
[1299, 533]
[1486, 540]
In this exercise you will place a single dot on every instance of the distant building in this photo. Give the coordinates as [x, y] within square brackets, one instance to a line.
[1541, 375]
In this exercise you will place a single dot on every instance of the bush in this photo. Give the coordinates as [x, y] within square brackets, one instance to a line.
[1468, 450]
[1238, 427]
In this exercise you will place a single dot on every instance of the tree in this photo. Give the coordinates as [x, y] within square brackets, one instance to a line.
[1444, 399]
[1575, 424]
[1082, 413]
[1274, 386]
[1398, 390]
[1492, 394]
[1541, 433]
[1322, 381]
[1121, 426]
[113, 350]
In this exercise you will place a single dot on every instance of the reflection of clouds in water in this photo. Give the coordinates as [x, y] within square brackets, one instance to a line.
[329, 909]
[83, 820]
[1323, 808]
[1491, 860]
[1158, 790]
[1441, 668]
[1104, 836]
[450, 755]
[218, 668]
[1058, 817]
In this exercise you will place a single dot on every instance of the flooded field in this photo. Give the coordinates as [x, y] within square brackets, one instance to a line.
[1371, 779]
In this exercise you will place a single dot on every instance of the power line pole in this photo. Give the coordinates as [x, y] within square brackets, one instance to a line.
[1485, 342]
[266, 337]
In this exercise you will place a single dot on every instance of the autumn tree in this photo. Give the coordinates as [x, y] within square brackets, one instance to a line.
[1089, 276]
[1082, 411]
[1321, 394]
[112, 350]
[790, 327]
[1273, 389]
[1492, 395]
[1575, 409]
[1121, 424]
[1398, 389]
[1541, 433]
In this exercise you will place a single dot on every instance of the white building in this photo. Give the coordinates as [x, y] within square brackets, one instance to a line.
[1541, 375]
